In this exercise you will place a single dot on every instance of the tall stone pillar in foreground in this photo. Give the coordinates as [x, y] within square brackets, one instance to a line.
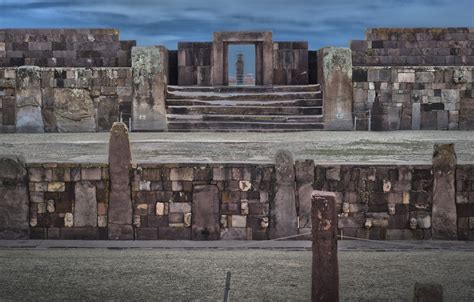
[283, 218]
[335, 77]
[29, 118]
[150, 79]
[444, 215]
[120, 202]
[325, 267]
[13, 198]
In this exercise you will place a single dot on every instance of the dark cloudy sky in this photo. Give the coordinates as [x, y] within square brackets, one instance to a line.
[322, 23]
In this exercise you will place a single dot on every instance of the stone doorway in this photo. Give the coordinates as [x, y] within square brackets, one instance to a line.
[263, 44]
[241, 67]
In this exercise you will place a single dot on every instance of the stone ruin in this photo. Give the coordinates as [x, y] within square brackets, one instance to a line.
[83, 80]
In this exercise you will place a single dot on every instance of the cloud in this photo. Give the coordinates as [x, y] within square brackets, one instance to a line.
[322, 23]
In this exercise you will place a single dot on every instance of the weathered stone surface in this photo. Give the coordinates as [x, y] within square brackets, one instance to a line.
[205, 219]
[304, 184]
[120, 202]
[120, 232]
[150, 68]
[28, 100]
[107, 113]
[283, 217]
[335, 77]
[74, 110]
[85, 205]
[13, 198]
[444, 217]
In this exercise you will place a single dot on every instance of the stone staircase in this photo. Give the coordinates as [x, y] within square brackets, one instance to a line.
[244, 108]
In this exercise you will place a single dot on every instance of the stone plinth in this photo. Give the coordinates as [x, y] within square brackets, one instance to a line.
[335, 77]
[150, 69]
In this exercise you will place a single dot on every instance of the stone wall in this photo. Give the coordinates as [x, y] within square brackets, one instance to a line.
[235, 201]
[465, 201]
[415, 47]
[194, 63]
[68, 201]
[413, 98]
[64, 48]
[63, 99]
[290, 63]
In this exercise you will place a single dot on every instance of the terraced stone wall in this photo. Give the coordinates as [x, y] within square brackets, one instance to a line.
[234, 201]
[415, 47]
[64, 48]
[414, 98]
[34, 99]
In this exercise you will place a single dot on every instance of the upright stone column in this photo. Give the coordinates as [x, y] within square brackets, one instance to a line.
[120, 202]
[335, 77]
[150, 79]
[283, 218]
[325, 267]
[444, 216]
[28, 100]
[13, 198]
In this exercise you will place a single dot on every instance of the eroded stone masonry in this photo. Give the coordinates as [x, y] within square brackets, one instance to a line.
[85, 79]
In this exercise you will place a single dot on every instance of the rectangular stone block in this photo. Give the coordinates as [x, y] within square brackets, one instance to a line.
[206, 218]
[169, 233]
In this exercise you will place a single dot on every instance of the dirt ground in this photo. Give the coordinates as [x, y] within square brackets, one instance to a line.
[199, 275]
[414, 147]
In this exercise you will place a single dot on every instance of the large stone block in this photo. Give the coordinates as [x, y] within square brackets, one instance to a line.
[205, 217]
[28, 100]
[150, 69]
[335, 76]
[85, 205]
[120, 201]
[444, 217]
[74, 110]
[283, 217]
[13, 198]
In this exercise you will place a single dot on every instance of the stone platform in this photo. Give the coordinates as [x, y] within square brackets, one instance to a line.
[414, 147]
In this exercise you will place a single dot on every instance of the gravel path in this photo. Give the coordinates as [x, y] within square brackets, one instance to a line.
[414, 147]
[191, 275]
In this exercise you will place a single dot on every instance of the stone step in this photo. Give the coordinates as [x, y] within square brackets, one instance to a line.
[206, 96]
[244, 110]
[271, 103]
[246, 89]
[245, 118]
[242, 126]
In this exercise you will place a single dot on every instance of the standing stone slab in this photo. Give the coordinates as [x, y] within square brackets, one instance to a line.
[335, 76]
[85, 205]
[444, 216]
[120, 202]
[304, 184]
[283, 217]
[150, 68]
[325, 267]
[206, 219]
[416, 116]
[28, 100]
[13, 198]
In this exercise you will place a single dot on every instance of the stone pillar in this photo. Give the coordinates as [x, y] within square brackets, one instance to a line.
[325, 268]
[13, 198]
[120, 202]
[444, 216]
[335, 77]
[304, 185]
[28, 100]
[283, 218]
[150, 79]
